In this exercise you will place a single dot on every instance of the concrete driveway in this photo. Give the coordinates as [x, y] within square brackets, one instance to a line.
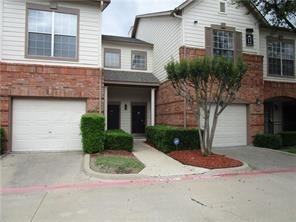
[52, 187]
[260, 158]
[33, 169]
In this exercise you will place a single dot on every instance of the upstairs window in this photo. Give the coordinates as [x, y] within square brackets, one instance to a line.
[222, 7]
[52, 34]
[223, 44]
[222, 40]
[281, 57]
[139, 60]
[112, 58]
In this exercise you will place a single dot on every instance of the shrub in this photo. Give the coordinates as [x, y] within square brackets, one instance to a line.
[92, 128]
[162, 137]
[267, 141]
[288, 138]
[118, 140]
[2, 140]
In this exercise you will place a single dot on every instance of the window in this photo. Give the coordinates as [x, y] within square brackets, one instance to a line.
[222, 7]
[112, 58]
[52, 34]
[223, 44]
[139, 60]
[280, 57]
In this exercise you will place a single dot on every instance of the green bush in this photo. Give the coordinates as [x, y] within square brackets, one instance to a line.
[267, 141]
[118, 140]
[288, 138]
[92, 128]
[162, 137]
[2, 140]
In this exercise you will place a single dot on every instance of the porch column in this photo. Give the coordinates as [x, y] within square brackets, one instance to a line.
[152, 105]
[106, 105]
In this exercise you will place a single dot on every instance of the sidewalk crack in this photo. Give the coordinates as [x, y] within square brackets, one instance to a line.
[39, 205]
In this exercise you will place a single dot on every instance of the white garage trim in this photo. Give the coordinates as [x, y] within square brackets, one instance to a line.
[46, 124]
[232, 126]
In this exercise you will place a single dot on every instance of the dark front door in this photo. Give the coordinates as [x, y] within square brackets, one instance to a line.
[113, 116]
[138, 119]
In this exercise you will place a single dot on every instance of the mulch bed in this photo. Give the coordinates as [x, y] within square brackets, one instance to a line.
[195, 158]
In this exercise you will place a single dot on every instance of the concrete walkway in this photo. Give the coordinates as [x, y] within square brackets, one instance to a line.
[159, 164]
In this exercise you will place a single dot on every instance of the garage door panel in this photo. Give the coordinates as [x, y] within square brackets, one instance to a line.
[232, 126]
[46, 125]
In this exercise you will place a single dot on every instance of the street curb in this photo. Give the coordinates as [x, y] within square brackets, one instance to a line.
[245, 166]
[90, 172]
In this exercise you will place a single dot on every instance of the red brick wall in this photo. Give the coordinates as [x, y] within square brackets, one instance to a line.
[170, 108]
[276, 89]
[26, 80]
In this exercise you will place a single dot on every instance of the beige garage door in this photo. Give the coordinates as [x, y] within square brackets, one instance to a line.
[46, 125]
[232, 127]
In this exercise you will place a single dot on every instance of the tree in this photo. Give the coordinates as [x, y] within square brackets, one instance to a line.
[280, 13]
[207, 83]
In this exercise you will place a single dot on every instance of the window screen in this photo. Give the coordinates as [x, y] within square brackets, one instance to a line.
[112, 58]
[139, 60]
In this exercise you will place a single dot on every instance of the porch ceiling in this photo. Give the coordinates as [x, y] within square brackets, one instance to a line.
[129, 78]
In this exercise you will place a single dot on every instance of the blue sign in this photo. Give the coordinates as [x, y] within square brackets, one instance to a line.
[176, 141]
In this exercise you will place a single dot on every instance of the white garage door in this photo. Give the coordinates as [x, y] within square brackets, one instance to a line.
[46, 125]
[232, 127]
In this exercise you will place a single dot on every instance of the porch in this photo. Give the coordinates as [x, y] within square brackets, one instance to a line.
[279, 114]
[129, 102]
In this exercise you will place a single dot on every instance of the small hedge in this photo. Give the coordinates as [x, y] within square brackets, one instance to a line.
[267, 141]
[2, 140]
[288, 138]
[162, 137]
[92, 128]
[118, 140]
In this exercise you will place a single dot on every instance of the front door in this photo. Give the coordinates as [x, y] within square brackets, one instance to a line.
[113, 116]
[138, 119]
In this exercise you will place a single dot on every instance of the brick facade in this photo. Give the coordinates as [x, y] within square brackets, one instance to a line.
[279, 89]
[43, 81]
[170, 107]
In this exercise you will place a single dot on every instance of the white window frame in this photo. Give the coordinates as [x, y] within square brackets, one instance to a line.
[112, 50]
[141, 53]
[37, 7]
[281, 57]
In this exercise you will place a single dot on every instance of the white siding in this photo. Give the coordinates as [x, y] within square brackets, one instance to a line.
[264, 33]
[206, 12]
[165, 34]
[1, 25]
[126, 50]
[124, 95]
[13, 40]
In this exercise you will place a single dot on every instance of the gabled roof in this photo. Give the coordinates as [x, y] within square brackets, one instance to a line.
[128, 40]
[249, 5]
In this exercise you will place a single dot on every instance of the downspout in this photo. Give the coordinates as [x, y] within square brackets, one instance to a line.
[185, 51]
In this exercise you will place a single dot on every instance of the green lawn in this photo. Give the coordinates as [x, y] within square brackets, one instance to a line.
[291, 149]
[118, 164]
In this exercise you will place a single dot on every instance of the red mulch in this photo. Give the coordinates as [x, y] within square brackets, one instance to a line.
[116, 153]
[195, 158]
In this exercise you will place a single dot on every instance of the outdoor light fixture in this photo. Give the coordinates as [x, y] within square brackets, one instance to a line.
[258, 102]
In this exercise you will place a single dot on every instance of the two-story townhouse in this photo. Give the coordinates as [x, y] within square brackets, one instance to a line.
[51, 71]
[129, 84]
[266, 100]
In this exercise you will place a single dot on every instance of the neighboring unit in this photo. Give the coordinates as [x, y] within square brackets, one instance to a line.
[267, 98]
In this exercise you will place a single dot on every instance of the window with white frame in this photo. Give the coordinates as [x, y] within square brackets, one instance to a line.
[139, 60]
[52, 34]
[223, 44]
[112, 58]
[222, 5]
[281, 57]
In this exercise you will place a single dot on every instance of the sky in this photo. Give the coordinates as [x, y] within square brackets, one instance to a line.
[119, 16]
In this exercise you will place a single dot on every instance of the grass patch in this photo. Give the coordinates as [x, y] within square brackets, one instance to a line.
[291, 149]
[117, 164]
